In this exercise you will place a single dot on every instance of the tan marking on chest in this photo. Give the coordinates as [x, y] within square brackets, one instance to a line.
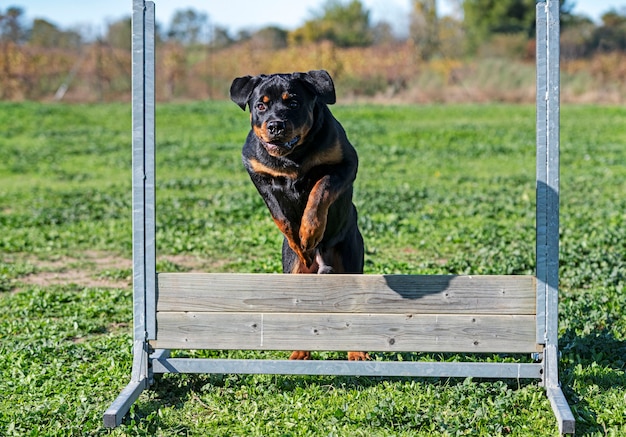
[331, 156]
[261, 168]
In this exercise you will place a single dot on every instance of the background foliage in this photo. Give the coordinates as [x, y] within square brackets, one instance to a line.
[436, 59]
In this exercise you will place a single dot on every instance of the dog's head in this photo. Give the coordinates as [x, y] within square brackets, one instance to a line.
[282, 106]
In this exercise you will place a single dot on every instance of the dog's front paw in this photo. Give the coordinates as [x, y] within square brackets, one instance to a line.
[300, 355]
[307, 258]
[358, 356]
[311, 233]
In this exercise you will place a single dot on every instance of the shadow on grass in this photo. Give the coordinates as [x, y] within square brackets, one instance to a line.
[594, 361]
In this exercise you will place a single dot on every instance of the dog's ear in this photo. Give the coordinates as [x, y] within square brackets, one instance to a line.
[241, 89]
[322, 85]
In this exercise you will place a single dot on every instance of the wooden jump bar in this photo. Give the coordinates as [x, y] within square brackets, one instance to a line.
[437, 313]
[393, 294]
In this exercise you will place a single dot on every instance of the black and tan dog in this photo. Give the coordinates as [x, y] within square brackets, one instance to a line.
[302, 164]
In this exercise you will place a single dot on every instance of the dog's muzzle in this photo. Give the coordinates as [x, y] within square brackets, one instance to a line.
[280, 148]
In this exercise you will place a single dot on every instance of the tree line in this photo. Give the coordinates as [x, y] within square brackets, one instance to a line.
[349, 24]
[477, 29]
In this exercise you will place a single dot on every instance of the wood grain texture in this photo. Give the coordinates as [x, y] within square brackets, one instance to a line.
[371, 332]
[391, 294]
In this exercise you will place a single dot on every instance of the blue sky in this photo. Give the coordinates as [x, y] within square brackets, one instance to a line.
[237, 14]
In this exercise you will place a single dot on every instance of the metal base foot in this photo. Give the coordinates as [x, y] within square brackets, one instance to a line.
[567, 423]
[121, 406]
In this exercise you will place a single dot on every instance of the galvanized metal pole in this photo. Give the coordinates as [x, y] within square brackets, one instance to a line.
[143, 216]
[547, 214]
[149, 150]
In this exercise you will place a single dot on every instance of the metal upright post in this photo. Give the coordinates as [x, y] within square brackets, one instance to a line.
[143, 216]
[547, 216]
[149, 153]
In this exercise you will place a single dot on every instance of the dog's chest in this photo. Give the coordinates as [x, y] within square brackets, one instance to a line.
[291, 191]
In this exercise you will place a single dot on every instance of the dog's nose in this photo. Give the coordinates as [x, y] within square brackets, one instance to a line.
[275, 127]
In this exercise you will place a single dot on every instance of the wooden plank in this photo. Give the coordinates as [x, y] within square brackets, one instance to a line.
[397, 294]
[370, 332]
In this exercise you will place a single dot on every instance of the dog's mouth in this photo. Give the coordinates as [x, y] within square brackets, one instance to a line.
[280, 148]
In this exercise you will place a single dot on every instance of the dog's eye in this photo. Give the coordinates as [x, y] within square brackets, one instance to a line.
[261, 106]
[293, 104]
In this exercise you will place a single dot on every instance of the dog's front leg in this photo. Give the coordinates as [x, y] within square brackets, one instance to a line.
[263, 184]
[316, 214]
[306, 257]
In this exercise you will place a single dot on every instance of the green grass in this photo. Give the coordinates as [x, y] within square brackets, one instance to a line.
[441, 189]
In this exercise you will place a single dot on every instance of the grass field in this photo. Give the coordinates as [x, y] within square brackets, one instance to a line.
[441, 189]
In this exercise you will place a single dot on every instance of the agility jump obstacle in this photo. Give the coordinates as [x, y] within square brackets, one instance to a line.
[408, 313]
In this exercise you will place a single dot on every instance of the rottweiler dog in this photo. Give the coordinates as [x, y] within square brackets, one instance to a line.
[303, 166]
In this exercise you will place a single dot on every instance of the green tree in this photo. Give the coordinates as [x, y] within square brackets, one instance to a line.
[119, 34]
[483, 18]
[611, 35]
[220, 37]
[346, 25]
[576, 34]
[486, 17]
[425, 27]
[12, 28]
[270, 37]
[189, 27]
[46, 34]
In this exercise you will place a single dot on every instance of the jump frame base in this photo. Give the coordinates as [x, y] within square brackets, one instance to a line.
[161, 363]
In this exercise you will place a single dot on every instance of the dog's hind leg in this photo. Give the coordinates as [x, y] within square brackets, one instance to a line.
[324, 268]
